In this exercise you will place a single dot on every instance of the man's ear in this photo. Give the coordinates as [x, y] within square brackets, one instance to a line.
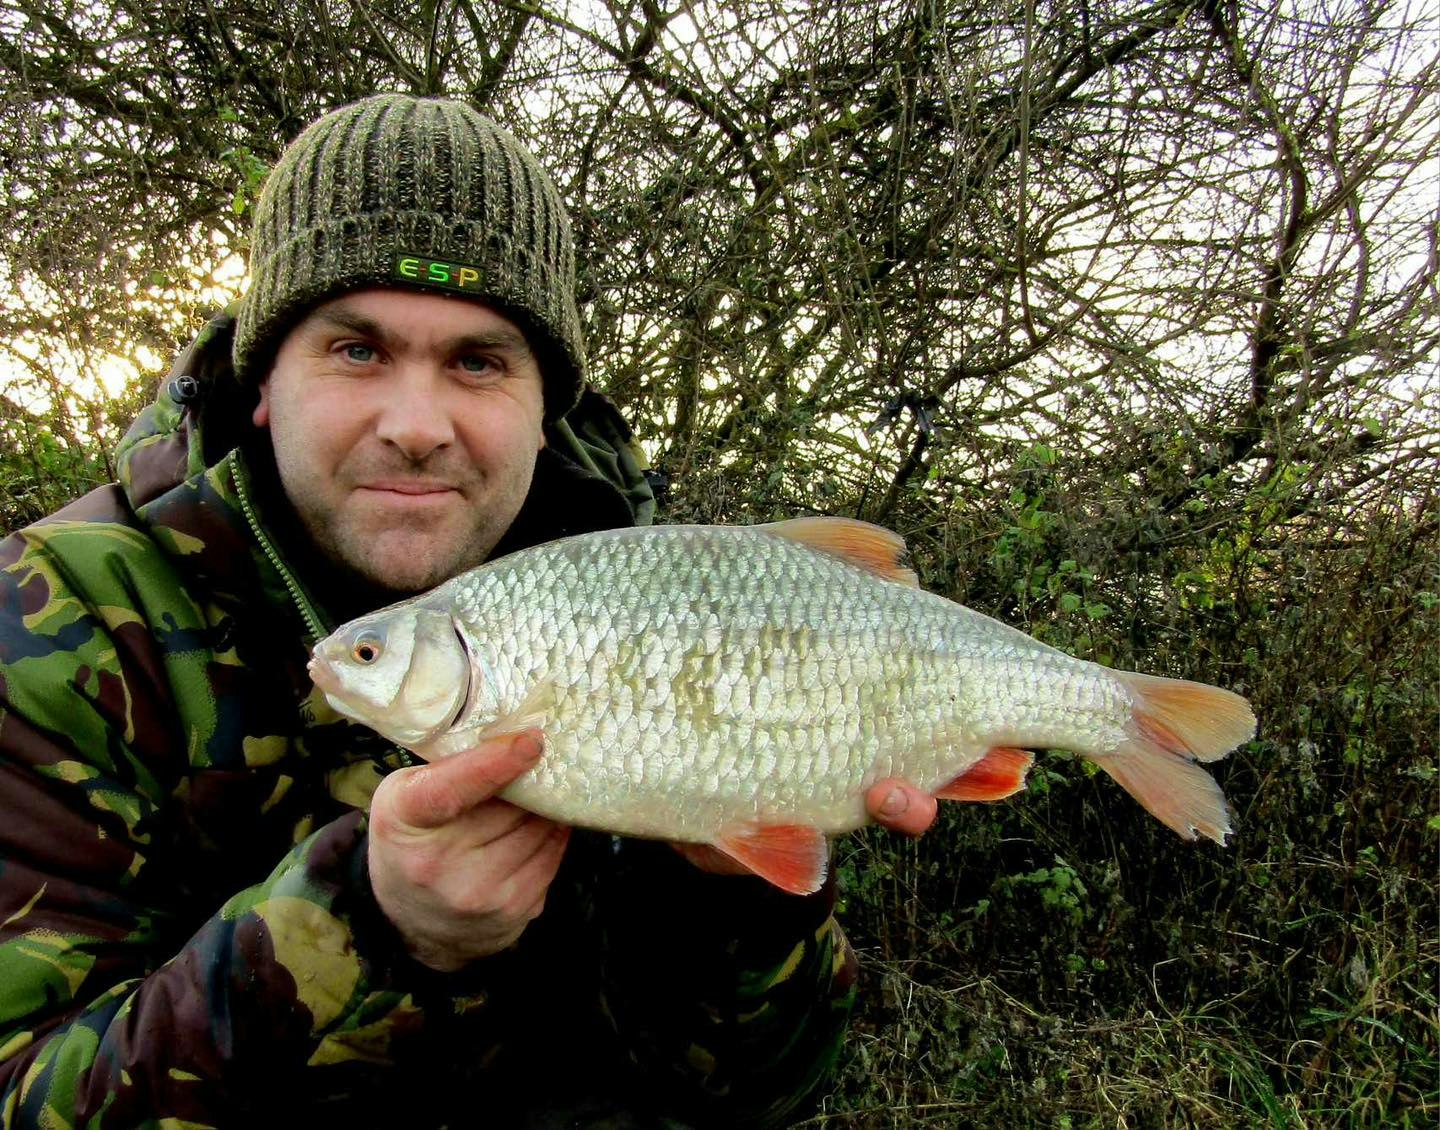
[261, 416]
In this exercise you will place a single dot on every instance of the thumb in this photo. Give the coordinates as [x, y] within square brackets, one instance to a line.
[429, 796]
[900, 806]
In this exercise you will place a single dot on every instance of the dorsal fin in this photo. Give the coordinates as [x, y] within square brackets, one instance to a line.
[873, 548]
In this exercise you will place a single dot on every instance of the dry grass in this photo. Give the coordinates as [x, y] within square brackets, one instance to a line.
[932, 1050]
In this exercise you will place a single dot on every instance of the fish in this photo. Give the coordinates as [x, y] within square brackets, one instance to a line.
[742, 687]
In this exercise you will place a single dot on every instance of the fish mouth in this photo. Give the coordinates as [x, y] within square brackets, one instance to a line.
[322, 676]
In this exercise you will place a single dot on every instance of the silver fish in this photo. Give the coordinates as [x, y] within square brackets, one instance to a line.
[742, 687]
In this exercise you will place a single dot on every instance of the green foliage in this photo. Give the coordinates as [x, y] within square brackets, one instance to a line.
[250, 171]
[1061, 959]
[51, 457]
[1060, 890]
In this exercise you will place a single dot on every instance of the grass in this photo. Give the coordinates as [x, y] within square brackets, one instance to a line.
[1060, 960]
[930, 1048]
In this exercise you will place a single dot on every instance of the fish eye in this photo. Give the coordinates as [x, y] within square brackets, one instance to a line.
[368, 647]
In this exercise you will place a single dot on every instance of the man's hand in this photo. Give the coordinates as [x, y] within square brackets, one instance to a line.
[459, 873]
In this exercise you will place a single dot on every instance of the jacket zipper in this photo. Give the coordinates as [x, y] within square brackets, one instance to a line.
[312, 621]
[308, 614]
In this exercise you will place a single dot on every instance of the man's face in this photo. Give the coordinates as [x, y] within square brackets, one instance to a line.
[405, 427]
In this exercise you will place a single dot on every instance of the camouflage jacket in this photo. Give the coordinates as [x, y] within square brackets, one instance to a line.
[187, 934]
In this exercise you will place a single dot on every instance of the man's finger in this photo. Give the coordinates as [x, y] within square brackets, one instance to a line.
[522, 884]
[507, 853]
[430, 796]
[535, 873]
[901, 807]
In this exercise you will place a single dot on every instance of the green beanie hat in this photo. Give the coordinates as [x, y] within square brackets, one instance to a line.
[414, 192]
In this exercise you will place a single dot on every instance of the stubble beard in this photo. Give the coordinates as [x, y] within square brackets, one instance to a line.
[402, 558]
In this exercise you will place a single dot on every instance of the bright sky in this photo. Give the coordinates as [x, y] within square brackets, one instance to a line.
[93, 376]
[90, 376]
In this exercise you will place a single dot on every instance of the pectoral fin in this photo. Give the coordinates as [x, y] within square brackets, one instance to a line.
[534, 710]
[792, 856]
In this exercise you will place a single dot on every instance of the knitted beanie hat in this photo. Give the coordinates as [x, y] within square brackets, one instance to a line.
[414, 192]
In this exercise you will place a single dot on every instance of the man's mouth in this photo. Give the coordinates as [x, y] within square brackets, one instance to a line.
[411, 487]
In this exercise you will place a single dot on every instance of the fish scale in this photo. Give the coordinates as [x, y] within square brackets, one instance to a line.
[743, 687]
[733, 607]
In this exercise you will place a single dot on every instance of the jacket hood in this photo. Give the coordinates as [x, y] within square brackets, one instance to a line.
[200, 413]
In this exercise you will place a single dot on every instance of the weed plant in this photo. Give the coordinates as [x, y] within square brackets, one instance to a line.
[1061, 959]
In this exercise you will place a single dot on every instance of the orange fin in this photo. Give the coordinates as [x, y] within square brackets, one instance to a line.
[709, 858]
[1194, 719]
[872, 548]
[995, 776]
[1175, 723]
[792, 856]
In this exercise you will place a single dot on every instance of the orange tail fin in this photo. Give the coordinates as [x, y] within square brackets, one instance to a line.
[1174, 724]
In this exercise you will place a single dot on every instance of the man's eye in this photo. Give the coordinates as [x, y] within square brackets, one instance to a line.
[476, 364]
[362, 354]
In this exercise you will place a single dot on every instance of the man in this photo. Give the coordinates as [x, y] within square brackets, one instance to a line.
[220, 902]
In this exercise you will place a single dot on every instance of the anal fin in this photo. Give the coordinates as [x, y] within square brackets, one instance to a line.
[1000, 773]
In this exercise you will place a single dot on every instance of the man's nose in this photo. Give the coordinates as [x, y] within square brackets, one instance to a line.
[414, 417]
